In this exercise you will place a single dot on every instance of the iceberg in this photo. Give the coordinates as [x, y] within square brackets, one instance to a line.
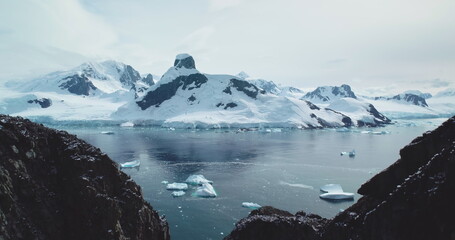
[335, 192]
[127, 124]
[131, 164]
[177, 186]
[164, 182]
[350, 154]
[337, 196]
[205, 191]
[197, 180]
[250, 205]
[333, 188]
[177, 193]
[108, 132]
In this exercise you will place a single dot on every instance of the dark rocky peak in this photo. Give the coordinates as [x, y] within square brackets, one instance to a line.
[184, 60]
[77, 84]
[148, 80]
[129, 76]
[411, 199]
[56, 186]
[43, 102]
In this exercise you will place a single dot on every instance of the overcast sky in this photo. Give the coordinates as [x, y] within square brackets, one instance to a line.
[382, 45]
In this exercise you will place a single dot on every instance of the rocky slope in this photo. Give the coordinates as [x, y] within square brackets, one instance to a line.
[55, 186]
[411, 199]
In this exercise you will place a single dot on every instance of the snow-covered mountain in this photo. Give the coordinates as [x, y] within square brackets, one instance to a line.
[89, 91]
[406, 98]
[108, 77]
[185, 97]
[328, 94]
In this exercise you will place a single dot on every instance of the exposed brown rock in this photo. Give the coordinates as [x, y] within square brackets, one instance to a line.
[55, 186]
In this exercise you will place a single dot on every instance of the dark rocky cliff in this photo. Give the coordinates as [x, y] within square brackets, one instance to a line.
[411, 199]
[55, 186]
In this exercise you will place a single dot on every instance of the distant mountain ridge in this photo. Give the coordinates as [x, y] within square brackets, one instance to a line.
[185, 97]
[329, 93]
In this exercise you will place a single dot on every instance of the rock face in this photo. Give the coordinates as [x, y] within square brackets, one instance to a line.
[43, 102]
[411, 199]
[408, 98]
[269, 223]
[77, 84]
[330, 93]
[184, 60]
[55, 186]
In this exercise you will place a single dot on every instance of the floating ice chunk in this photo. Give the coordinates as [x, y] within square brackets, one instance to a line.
[206, 191]
[350, 154]
[177, 193]
[177, 186]
[107, 132]
[197, 180]
[171, 129]
[276, 130]
[250, 205]
[299, 185]
[337, 196]
[164, 182]
[331, 188]
[127, 124]
[131, 164]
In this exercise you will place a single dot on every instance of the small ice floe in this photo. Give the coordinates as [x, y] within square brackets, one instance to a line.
[205, 191]
[127, 124]
[107, 132]
[197, 180]
[335, 192]
[131, 164]
[164, 182]
[337, 196]
[350, 154]
[177, 186]
[331, 188]
[177, 193]
[171, 129]
[250, 205]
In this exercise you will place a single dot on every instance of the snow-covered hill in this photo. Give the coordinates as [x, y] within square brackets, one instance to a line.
[184, 97]
[406, 98]
[89, 91]
[104, 78]
[328, 94]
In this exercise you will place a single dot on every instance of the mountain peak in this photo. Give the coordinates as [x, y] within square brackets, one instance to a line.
[242, 75]
[184, 60]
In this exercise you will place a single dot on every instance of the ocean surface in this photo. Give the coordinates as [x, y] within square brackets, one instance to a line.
[282, 169]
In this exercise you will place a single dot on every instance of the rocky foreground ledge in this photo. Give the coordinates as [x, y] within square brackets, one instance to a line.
[414, 198]
[55, 186]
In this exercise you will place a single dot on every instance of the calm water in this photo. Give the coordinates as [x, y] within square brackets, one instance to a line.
[283, 169]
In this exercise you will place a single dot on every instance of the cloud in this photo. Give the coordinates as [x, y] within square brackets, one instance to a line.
[438, 83]
[217, 5]
[197, 41]
[34, 34]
